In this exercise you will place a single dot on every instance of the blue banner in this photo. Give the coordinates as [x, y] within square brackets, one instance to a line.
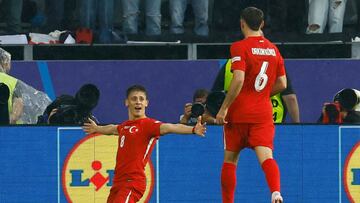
[318, 163]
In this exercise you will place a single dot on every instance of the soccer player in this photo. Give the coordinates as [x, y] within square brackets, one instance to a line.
[137, 137]
[258, 72]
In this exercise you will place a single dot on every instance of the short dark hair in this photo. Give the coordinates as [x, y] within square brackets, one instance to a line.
[253, 17]
[134, 88]
[200, 93]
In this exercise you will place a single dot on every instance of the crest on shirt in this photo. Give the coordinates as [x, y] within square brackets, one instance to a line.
[89, 169]
[132, 129]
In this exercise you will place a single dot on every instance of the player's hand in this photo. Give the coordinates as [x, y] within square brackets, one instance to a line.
[220, 117]
[200, 129]
[90, 127]
[187, 110]
[207, 118]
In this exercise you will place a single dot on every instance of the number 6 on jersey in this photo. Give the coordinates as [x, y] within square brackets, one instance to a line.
[261, 78]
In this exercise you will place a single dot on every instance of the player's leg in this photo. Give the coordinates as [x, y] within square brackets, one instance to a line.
[232, 145]
[271, 171]
[113, 191]
[126, 192]
[261, 139]
[228, 176]
[124, 196]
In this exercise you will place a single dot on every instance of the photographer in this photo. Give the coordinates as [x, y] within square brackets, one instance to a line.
[69, 110]
[4, 109]
[15, 102]
[197, 108]
[25, 103]
[345, 108]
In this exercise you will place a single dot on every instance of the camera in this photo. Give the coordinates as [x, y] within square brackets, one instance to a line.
[213, 103]
[67, 109]
[197, 109]
[332, 113]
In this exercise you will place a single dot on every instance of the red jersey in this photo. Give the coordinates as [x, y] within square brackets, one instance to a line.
[137, 139]
[263, 64]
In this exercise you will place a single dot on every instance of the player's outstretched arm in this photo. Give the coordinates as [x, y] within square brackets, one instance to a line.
[92, 127]
[198, 129]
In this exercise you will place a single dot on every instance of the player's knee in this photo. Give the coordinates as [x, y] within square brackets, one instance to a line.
[263, 153]
[231, 157]
[313, 28]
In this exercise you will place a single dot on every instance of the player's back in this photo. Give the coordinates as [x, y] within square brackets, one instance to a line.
[262, 64]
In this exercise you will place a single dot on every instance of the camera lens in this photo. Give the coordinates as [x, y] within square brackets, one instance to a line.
[197, 109]
[88, 96]
[347, 98]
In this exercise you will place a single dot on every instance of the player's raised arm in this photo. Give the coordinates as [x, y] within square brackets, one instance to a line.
[92, 127]
[199, 128]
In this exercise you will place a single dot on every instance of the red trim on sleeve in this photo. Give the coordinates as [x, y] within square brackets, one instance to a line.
[237, 56]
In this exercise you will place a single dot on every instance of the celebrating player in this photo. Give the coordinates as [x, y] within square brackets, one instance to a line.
[258, 72]
[137, 137]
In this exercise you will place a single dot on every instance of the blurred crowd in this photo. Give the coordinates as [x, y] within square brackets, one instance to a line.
[110, 20]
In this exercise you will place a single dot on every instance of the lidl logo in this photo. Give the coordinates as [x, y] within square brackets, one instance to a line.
[352, 174]
[88, 170]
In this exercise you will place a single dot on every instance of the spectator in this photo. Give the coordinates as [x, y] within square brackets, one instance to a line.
[190, 115]
[177, 11]
[32, 12]
[15, 102]
[59, 14]
[344, 109]
[227, 13]
[104, 10]
[131, 16]
[358, 15]
[284, 102]
[322, 12]
[13, 9]
[286, 16]
[4, 107]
